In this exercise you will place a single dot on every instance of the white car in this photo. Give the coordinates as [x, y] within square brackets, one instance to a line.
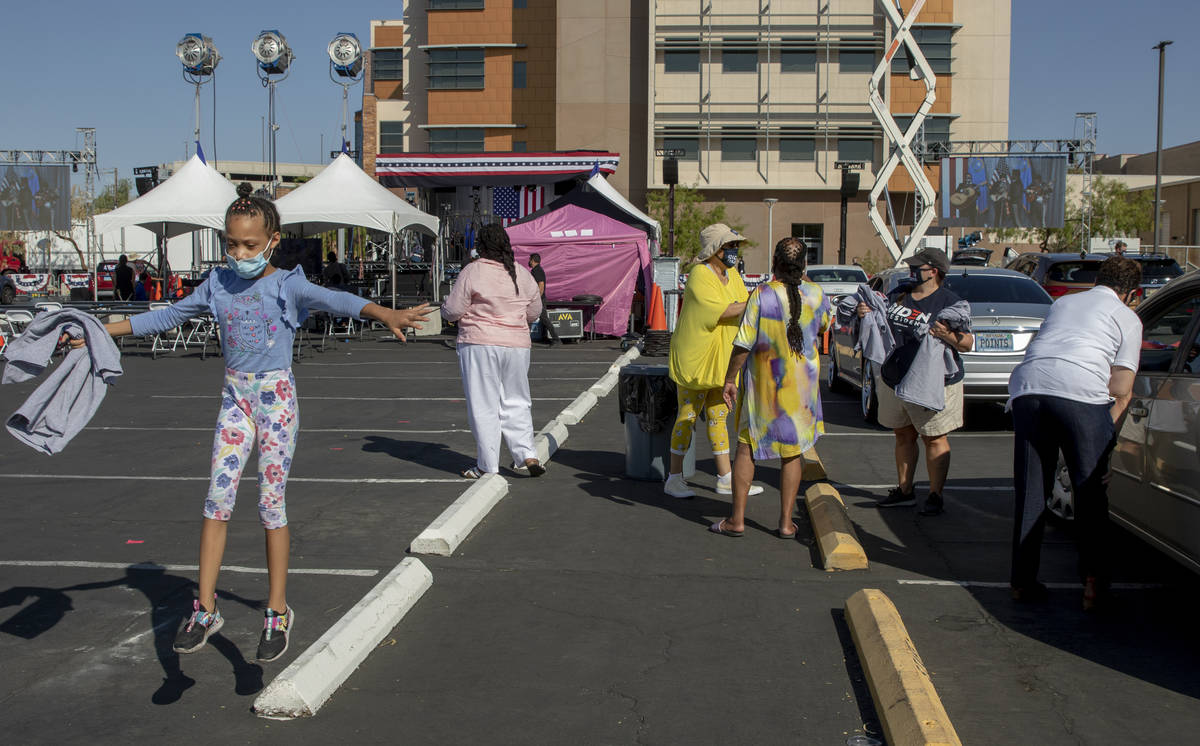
[837, 279]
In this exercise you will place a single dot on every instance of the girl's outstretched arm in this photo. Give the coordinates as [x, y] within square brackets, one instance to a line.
[398, 319]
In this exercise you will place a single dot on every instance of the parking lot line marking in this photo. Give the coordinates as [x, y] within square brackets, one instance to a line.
[949, 486]
[360, 398]
[1004, 584]
[605, 363]
[303, 429]
[321, 480]
[876, 434]
[429, 378]
[180, 568]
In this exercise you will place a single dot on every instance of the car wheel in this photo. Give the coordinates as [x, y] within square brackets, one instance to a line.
[867, 396]
[7, 295]
[834, 376]
[1061, 501]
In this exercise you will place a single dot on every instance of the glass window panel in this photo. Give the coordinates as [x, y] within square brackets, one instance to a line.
[856, 62]
[856, 150]
[738, 149]
[797, 149]
[689, 145]
[798, 61]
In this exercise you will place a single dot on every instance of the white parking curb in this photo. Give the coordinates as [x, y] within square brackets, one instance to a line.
[461, 517]
[301, 688]
[578, 409]
[550, 439]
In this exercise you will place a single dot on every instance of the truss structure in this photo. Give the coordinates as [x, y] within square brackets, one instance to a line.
[1086, 154]
[899, 144]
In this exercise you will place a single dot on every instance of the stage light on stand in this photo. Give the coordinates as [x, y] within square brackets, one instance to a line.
[198, 54]
[271, 50]
[345, 54]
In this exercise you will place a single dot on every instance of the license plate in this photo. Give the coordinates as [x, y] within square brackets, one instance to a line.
[994, 342]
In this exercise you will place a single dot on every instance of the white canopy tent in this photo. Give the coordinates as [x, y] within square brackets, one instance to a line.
[342, 195]
[193, 198]
[601, 185]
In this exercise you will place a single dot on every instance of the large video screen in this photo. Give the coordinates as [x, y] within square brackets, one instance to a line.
[35, 198]
[1003, 191]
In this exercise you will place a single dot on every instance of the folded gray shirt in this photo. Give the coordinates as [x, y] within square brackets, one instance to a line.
[925, 382]
[64, 403]
[872, 335]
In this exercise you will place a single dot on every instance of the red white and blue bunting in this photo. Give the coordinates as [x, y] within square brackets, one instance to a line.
[490, 169]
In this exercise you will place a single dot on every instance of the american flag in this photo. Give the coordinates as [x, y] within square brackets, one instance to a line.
[513, 203]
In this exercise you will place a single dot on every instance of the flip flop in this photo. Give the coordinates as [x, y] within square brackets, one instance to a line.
[535, 468]
[472, 473]
[719, 528]
[781, 535]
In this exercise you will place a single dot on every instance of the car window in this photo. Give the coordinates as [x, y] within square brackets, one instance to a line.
[1191, 355]
[1163, 335]
[1081, 271]
[837, 275]
[997, 289]
[1160, 269]
[875, 283]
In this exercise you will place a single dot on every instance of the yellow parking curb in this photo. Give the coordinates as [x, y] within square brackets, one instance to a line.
[905, 699]
[814, 470]
[840, 549]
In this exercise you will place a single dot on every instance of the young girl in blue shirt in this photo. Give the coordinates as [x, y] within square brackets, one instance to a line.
[258, 308]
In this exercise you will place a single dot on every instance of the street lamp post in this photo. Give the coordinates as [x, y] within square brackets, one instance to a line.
[770, 202]
[346, 62]
[1162, 61]
[200, 58]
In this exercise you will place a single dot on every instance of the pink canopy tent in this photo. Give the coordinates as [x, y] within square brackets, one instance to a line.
[584, 252]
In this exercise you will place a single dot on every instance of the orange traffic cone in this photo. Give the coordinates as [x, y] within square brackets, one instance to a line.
[656, 315]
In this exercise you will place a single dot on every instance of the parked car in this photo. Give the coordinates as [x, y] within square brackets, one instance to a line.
[8, 290]
[1060, 274]
[837, 280]
[1155, 488]
[105, 279]
[976, 257]
[1157, 270]
[1007, 309]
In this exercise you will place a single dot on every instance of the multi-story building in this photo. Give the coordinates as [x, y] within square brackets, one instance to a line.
[763, 98]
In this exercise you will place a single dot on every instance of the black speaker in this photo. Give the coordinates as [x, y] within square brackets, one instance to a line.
[849, 183]
[670, 171]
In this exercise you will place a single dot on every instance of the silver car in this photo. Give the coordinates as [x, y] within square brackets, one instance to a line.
[1007, 309]
[1155, 488]
[837, 280]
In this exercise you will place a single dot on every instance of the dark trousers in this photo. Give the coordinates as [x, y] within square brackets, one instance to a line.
[1044, 425]
[548, 331]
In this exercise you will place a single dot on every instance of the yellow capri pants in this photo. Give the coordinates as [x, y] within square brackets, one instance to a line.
[690, 403]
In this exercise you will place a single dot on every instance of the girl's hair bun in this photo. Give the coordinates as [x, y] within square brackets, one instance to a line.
[244, 189]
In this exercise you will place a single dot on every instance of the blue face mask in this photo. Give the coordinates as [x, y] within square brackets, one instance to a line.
[729, 257]
[248, 269]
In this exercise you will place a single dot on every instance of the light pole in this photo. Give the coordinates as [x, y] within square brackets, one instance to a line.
[346, 61]
[274, 57]
[770, 202]
[1162, 61]
[200, 58]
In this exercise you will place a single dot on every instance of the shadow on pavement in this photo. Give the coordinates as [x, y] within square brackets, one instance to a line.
[423, 453]
[170, 598]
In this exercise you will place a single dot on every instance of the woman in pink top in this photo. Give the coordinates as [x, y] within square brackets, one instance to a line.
[493, 302]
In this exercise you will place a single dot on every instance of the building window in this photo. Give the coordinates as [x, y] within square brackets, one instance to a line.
[683, 59]
[455, 4]
[797, 149]
[520, 4]
[856, 150]
[935, 44]
[739, 56]
[456, 140]
[518, 75]
[856, 62]
[391, 137]
[455, 68]
[937, 131]
[798, 61]
[387, 64]
[519, 146]
[689, 145]
[739, 149]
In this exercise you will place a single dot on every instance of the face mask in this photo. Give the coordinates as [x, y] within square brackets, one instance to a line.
[729, 257]
[248, 269]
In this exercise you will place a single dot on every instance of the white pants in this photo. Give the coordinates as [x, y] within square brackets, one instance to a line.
[496, 383]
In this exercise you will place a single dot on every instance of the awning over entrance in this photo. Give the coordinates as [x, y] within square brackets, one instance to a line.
[489, 169]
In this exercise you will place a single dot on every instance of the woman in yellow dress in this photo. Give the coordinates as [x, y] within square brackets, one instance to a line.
[779, 401]
[713, 302]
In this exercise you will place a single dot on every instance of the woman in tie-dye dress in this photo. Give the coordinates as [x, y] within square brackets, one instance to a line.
[779, 402]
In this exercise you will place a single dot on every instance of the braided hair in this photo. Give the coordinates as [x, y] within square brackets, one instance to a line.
[788, 265]
[494, 245]
[248, 204]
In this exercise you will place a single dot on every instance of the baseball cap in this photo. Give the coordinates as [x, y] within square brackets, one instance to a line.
[935, 258]
[713, 237]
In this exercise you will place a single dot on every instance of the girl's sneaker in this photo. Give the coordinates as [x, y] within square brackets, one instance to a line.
[198, 628]
[276, 630]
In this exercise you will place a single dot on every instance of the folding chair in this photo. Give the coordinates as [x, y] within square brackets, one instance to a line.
[47, 306]
[302, 338]
[345, 327]
[158, 342]
[17, 319]
[204, 330]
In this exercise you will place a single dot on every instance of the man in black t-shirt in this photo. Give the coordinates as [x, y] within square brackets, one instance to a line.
[123, 279]
[539, 276]
[334, 274]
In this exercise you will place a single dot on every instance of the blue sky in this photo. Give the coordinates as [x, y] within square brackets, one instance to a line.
[72, 63]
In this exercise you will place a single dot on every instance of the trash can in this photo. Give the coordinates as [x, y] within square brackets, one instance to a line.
[647, 407]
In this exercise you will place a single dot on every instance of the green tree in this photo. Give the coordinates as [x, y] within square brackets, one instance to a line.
[690, 218]
[112, 196]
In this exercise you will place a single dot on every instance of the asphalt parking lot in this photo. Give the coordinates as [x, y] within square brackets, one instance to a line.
[586, 608]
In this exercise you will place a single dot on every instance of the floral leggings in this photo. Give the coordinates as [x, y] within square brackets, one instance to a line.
[261, 405]
[712, 401]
